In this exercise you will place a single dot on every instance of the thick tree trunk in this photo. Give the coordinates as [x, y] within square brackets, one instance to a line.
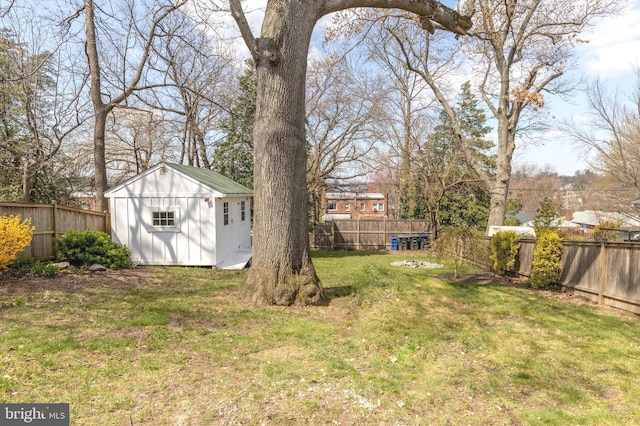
[27, 177]
[281, 272]
[500, 184]
[99, 159]
[99, 108]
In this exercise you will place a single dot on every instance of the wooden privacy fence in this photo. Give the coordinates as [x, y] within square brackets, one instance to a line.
[52, 221]
[365, 234]
[605, 272]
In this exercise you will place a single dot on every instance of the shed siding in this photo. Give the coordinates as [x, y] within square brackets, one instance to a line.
[190, 242]
[197, 237]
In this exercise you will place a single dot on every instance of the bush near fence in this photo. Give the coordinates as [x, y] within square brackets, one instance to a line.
[605, 272]
[52, 221]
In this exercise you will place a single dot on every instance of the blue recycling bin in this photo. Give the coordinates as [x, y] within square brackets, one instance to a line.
[394, 243]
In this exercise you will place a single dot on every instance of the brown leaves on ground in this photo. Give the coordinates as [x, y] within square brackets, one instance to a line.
[14, 284]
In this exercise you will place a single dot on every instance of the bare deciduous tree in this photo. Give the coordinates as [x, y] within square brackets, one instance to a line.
[136, 140]
[199, 72]
[521, 49]
[611, 132]
[339, 121]
[41, 99]
[117, 62]
[282, 272]
[531, 185]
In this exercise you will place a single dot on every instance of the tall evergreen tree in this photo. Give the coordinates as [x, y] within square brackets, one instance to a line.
[546, 215]
[233, 157]
[445, 176]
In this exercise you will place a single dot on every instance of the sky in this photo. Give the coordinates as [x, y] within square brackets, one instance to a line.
[611, 54]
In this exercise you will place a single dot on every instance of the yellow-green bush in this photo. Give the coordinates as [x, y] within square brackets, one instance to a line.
[546, 267]
[15, 236]
[505, 246]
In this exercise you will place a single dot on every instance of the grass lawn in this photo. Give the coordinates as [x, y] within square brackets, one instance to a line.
[395, 346]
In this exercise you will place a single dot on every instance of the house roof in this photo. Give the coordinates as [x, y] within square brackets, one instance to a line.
[206, 177]
[595, 217]
[559, 222]
[354, 196]
[212, 179]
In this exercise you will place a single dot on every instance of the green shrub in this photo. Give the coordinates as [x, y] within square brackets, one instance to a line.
[505, 246]
[23, 265]
[89, 247]
[607, 229]
[461, 245]
[546, 268]
[45, 268]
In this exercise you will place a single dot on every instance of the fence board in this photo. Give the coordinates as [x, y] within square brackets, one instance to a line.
[52, 221]
[605, 272]
[365, 234]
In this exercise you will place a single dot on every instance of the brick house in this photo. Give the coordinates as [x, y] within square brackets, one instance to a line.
[354, 205]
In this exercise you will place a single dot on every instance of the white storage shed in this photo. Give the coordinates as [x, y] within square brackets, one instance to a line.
[173, 214]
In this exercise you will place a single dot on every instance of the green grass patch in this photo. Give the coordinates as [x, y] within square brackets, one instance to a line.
[395, 345]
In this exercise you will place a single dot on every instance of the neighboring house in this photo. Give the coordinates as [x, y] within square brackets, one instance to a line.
[589, 219]
[354, 205]
[173, 214]
[524, 217]
[85, 200]
[562, 224]
[584, 222]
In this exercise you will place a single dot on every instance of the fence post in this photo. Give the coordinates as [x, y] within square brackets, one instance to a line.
[603, 271]
[107, 223]
[333, 234]
[55, 227]
[384, 234]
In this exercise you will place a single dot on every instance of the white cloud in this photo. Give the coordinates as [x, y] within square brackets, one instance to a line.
[614, 44]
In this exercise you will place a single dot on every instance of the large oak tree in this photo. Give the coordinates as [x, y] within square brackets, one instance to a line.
[282, 272]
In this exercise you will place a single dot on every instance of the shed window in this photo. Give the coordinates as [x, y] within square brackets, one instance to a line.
[378, 207]
[225, 213]
[362, 206]
[165, 218]
[243, 211]
[332, 206]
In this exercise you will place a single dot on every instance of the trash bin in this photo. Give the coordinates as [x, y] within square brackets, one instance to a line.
[424, 241]
[394, 243]
[415, 243]
[404, 243]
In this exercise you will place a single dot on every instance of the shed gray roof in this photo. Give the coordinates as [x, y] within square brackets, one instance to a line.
[212, 179]
[205, 177]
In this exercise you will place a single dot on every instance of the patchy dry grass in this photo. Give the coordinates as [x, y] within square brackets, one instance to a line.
[172, 346]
